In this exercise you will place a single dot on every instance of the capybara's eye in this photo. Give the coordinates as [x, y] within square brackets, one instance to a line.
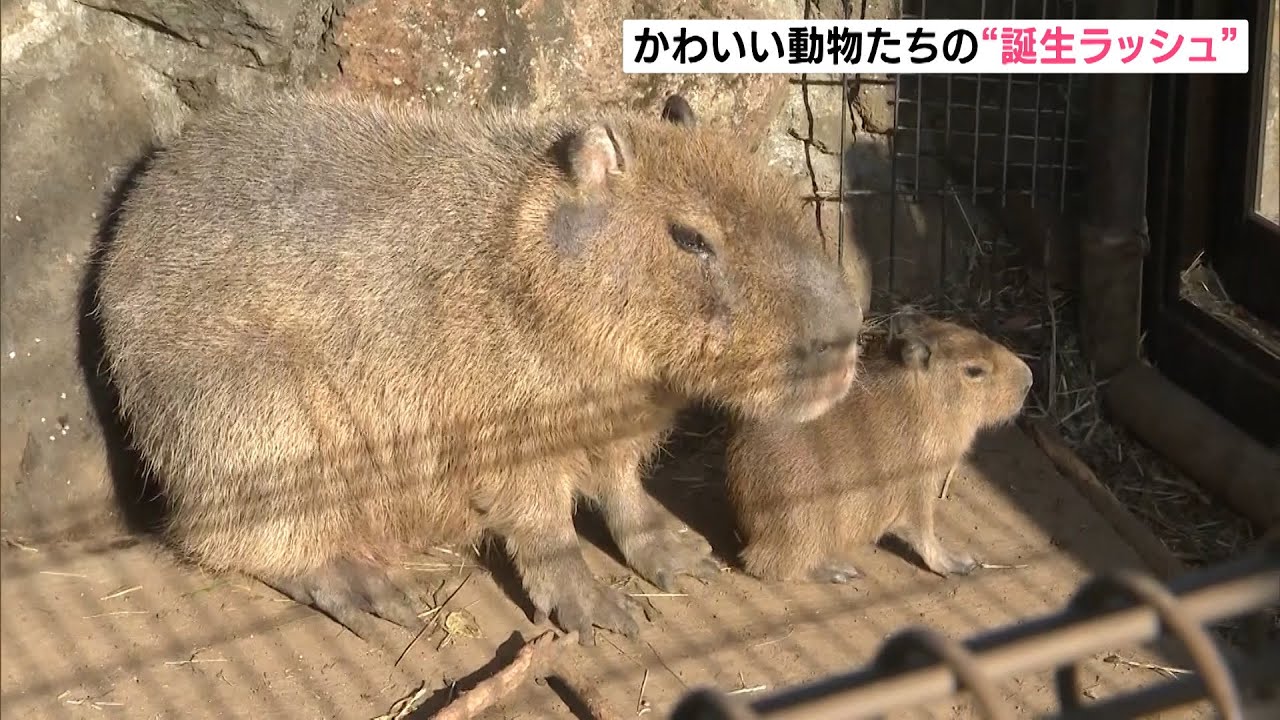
[975, 371]
[690, 240]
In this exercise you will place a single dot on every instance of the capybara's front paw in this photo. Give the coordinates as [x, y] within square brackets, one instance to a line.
[666, 554]
[584, 603]
[961, 564]
[946, 562]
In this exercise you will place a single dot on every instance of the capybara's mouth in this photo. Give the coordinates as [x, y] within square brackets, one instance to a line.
[820, 393]
[807, 396]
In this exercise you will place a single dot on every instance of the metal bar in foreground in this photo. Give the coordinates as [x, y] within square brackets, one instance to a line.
[918, 665]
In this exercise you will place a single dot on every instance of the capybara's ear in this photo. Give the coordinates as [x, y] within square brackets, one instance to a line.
[678, 111]
[906, 321]
[595, 154]
[908, 343]
[912, 350]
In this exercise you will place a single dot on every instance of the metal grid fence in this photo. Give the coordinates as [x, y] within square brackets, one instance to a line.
[958, 151]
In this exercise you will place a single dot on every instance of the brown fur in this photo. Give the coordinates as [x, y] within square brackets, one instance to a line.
[809, 495]
[343, 328]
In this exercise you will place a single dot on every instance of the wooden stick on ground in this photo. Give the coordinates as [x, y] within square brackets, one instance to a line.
[486, 693]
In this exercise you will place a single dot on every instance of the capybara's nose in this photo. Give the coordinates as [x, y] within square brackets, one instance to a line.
[818, 350]
[831, 322]
[828, 355]
[832, 332]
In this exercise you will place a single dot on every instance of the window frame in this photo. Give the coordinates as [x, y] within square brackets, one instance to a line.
[1201, 198]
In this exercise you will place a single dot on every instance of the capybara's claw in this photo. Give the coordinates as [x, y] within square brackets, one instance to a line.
[348, 591]
[586, 606]
[668, 555]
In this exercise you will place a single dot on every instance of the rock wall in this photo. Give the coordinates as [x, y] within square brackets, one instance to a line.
[88, 86]
[544, 54]
[925, 220]
[849, 146]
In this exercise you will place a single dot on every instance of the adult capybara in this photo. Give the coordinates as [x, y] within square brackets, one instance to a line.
[808, 496]
[343, 328]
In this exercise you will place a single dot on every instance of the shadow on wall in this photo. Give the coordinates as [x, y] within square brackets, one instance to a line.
[912, 227]
[141, 504]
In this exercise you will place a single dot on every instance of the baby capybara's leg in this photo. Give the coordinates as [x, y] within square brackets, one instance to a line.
[916, 528]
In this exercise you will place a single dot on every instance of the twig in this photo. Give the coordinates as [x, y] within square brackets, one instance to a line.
[435, 619]
[402, 707]
[1170, 672]
[665, 665]
[640, 697]
[1052, 397]
[486, 693]
[19, 545]
[946, 483]
[117, 612]
[121, 593]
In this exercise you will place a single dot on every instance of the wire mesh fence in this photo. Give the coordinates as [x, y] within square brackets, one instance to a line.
[934, 162]
[960, 193]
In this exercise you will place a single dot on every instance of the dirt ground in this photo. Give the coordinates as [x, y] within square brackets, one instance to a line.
[115, 628]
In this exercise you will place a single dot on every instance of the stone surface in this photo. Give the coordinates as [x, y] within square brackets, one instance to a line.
[901, 244]
[544, 54]
[52, 458]
[283, 34]
[86, 88]
[814, 162]
[888, 241]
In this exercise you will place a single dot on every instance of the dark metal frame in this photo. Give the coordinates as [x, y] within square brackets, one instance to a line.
[1252, 243]
[1201, 198]
[1115, 607]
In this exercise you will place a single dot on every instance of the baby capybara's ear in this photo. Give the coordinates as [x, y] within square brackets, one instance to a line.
[909, 345]
[678, 111]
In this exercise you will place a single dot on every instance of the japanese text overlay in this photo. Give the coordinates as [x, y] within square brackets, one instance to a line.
[935, 46]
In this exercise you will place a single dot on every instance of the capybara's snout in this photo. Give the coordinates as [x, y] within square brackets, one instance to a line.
[824, 352]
